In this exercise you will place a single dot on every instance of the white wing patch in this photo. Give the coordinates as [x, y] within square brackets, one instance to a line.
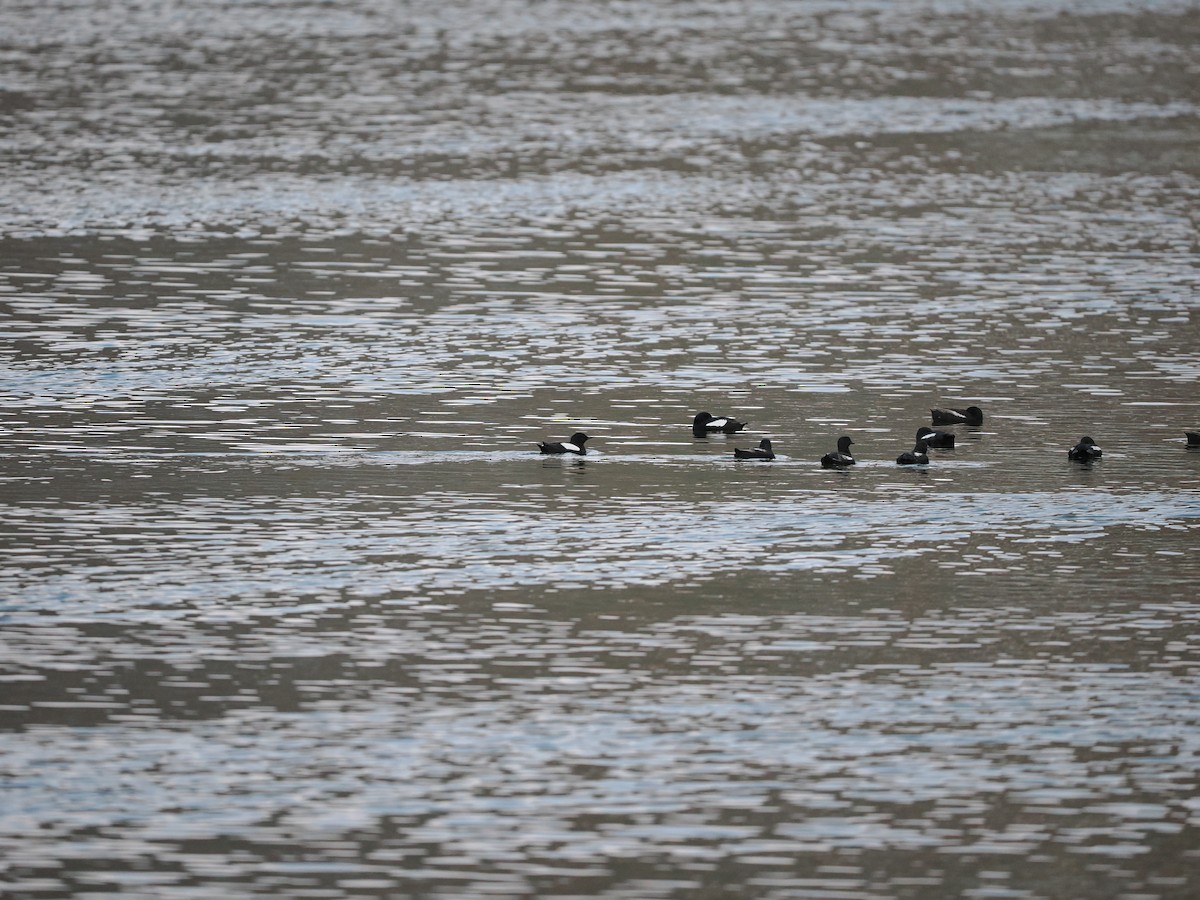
[570, 448]
[715, 423]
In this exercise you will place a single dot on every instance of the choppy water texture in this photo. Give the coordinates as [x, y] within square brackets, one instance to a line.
[289, 603]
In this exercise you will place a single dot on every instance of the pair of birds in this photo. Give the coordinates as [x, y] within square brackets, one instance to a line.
[576, 446]
[1086, 450]
[703, 425]
[839, 459]
[917, 456]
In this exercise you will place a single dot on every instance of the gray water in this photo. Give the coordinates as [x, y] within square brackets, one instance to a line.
[291, 605]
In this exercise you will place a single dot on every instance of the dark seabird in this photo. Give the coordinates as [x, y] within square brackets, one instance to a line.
[762, 451]
[575, 445]
[937, 440]
[706, 423]
[914, 457]
[841, 458]
[972, 415]
[1085, 451]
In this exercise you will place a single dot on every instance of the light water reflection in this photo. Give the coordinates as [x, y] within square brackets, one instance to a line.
[563, 531]
[290, 604]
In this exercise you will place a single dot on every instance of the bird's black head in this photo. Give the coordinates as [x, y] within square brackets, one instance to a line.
[579, 439]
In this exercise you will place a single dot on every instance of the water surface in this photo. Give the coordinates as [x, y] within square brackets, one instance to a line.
[289, 603]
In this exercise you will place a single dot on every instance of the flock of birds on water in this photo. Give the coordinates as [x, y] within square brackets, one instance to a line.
[706, 424]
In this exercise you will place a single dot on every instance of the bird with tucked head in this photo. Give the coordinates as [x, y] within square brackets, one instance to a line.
[936, 440]
[706, 423]
[972, 415]
[762, 451]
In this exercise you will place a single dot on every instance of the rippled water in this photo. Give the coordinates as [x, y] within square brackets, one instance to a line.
[291, 605]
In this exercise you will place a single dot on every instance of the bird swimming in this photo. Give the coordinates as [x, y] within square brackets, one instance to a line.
[706, 423]
[1085, 451]
[972, 415]
[575, 445]
[841, 458]
[762, 451]
[917, 456]
[937, 440]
